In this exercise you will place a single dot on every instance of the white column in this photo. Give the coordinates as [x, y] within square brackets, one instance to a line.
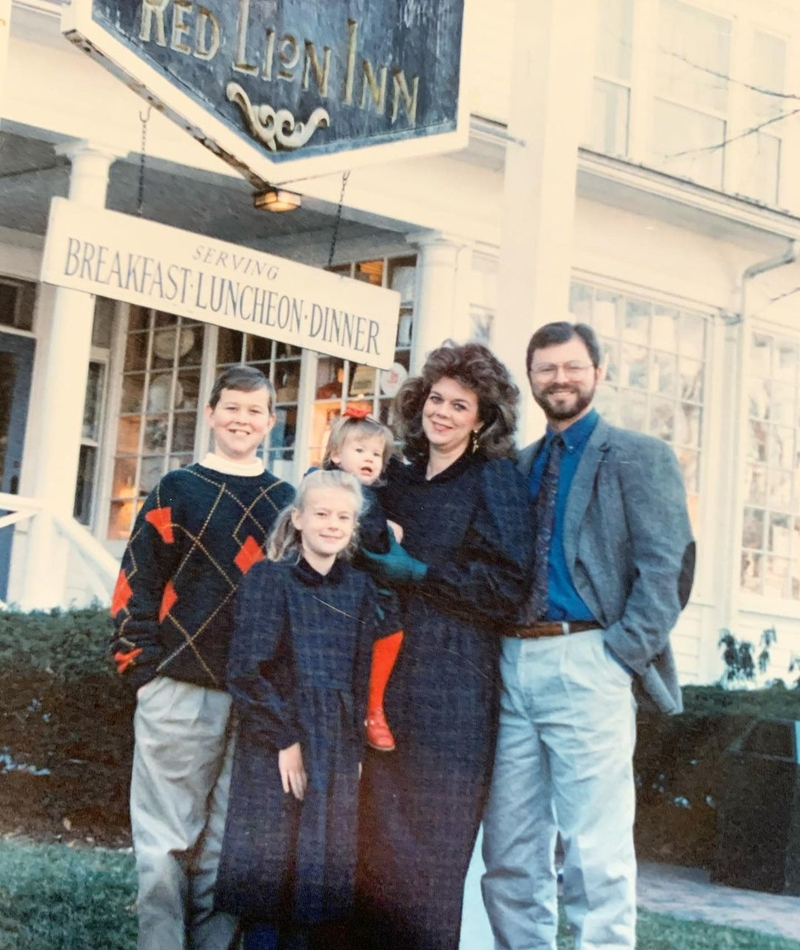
[59, 402]
[5, 33]
[551, 83]
[437, 300]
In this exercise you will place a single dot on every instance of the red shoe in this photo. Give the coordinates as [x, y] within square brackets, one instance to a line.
[379, 735]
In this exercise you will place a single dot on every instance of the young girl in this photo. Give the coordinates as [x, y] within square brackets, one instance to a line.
[299, 663]
[362, 446]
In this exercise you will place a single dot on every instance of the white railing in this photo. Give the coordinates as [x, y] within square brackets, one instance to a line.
[101, 567]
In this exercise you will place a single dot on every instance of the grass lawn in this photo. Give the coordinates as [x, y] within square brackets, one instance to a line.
[58, 898]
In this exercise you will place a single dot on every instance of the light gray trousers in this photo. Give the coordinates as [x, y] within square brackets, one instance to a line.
[182, 761]
[563, 764]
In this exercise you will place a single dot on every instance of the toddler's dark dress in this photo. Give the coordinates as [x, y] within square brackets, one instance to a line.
[298, 672]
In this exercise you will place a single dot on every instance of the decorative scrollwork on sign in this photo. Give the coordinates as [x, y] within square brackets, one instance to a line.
[276, 128]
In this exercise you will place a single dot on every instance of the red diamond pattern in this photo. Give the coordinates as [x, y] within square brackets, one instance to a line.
[168, 601]
[250, 553]
[161, 520]
[122, 594]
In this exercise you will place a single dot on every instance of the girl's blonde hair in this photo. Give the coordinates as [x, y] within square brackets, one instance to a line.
[285, 540]
[359, 428]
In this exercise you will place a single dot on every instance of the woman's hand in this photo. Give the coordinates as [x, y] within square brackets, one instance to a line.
[395, 567]
[293, 773]
[397, 531]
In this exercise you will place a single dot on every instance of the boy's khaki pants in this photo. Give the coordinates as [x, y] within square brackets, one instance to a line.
[179, 797]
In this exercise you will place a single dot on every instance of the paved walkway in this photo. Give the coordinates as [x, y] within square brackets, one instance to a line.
[688, 893]
[665, 889]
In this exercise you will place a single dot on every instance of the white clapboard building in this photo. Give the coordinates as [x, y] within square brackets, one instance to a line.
[630, 161]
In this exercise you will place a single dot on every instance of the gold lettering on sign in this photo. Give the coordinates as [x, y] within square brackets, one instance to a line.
[350, 75]
[400, 91]
[321, 73]
[276, 127]
[377, 90]
[180, 27]
[240, 63]
[205, 46]
[289, 56]
[269, 55]
[153, 10]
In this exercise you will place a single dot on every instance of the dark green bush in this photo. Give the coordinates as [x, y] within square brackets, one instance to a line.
[679, 767]
[65, 726]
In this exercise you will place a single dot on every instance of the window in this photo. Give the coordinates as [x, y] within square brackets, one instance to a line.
[762, 149]
[654, 357]
[280, 363]
[611, 91]
[340, 382]
[691, 85]
[93, 410]
[771, 528]
[16, 304]
[158, 408]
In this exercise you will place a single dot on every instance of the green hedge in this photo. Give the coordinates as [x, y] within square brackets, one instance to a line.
[65, 727]
[62, 709]
[679, 767]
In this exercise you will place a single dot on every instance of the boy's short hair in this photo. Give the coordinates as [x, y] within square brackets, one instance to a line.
[358, 427]
[246, 379]
[562, 331]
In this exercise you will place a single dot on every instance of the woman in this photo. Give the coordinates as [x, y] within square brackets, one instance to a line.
[461, 573]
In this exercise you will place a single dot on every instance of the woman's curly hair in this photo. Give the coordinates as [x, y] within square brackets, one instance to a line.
[476, 368]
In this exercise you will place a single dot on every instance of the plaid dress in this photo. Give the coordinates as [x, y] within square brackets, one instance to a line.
[422, 804]
[298, 672]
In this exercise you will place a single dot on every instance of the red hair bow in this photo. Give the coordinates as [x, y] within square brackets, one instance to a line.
[354, 412]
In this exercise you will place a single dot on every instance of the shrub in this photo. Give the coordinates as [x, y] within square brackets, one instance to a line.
[679, 767]
[66, 727]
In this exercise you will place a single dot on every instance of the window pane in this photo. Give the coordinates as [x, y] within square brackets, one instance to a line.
[84, 487]
[609, 118]
[580, 304]
[634, 366]
[604, 313]
[755, 484]
[633, 411]
[753, 528]
[693, 60]
[662, 419]
[94, 401]
[614, 38]
[688, 143]
[761, 166]
[769, 75]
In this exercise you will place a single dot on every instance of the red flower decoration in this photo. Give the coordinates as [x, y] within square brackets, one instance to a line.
[355, 412]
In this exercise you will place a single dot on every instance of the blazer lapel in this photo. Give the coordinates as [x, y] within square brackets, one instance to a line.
[581, 489]
[526, 457]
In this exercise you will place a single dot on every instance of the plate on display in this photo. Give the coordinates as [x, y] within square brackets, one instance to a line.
[164, 343]
[393, 378]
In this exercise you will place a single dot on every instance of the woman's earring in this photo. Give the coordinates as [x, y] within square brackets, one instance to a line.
[474, 440]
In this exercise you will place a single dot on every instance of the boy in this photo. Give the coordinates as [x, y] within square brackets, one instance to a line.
[200, 531]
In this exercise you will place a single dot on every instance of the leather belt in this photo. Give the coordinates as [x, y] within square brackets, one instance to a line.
[556, 628]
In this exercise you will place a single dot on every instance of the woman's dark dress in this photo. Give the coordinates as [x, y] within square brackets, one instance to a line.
[298, 672]
[422, 803]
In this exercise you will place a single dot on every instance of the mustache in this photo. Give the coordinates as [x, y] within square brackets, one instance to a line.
[559, 388]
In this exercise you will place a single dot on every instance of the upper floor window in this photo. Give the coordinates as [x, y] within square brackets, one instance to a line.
[611, 89]
[762, 148]
[691, 86]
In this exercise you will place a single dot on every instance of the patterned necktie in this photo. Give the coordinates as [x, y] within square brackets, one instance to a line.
[544, 517]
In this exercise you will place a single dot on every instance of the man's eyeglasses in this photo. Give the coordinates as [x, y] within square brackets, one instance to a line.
[572, 370]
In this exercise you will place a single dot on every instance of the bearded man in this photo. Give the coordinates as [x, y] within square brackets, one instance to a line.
[613, 567]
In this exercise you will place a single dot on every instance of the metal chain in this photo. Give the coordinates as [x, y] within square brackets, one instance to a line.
[345, 176]
[140, 200]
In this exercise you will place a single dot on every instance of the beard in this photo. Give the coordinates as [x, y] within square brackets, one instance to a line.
[556, 410]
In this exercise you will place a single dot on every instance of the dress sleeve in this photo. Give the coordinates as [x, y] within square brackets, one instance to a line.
[143, 590]
[261, 662]
[490, 574]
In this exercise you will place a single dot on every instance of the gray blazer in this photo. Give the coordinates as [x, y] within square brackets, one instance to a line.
[630, 551]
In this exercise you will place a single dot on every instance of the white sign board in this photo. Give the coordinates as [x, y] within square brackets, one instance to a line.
[153, 265]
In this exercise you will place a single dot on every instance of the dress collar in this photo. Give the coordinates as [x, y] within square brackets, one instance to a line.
[313, 578]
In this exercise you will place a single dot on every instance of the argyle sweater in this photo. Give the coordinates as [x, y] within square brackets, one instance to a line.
[199, 532]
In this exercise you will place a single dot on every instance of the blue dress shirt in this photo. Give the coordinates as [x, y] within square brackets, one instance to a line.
[564, 602]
